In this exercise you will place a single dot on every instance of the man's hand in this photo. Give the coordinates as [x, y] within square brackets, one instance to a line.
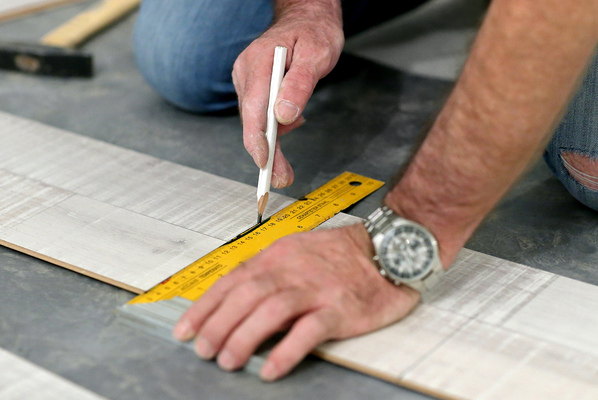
[319, 285]
[312, 32]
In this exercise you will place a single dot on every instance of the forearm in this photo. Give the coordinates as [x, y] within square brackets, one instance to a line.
[522, 70]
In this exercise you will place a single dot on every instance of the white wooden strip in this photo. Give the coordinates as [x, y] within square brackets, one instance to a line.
[21, 198]
[482, 361]
[20, 379]
[569, 308]
[120, 216]
[112, 244]
[172, 193]
[496, 330]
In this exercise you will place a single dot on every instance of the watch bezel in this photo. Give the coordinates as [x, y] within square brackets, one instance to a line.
[386, 270]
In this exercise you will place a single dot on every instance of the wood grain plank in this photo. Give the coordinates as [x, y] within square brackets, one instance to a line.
[564, 307]
[496, 330]
[112, 244]
[133, 181]
[20, 379]
[117, 215]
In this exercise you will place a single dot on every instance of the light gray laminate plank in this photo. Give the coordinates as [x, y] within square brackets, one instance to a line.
[159, 189]
[499, 330]
[118, 215]
[20, 379]
[564, 313]
[114, 245]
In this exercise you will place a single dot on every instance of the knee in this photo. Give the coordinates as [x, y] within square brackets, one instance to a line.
[188, 67]
[582, 168]
[580, 176]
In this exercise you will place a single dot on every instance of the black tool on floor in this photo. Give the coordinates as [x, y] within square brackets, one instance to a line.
[56, 55]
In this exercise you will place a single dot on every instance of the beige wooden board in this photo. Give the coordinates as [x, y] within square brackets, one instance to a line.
[496, 330]
[120, 216]
[10, 9]
[20, 379]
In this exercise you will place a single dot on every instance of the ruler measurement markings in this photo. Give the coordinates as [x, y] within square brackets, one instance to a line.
[302, 215]
[299, 206]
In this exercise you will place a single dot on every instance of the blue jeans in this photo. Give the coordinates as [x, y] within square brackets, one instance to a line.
[185, 49]
[578, 134]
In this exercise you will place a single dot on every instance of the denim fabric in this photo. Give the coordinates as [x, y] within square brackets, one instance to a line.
[186, 49]
[578, 133]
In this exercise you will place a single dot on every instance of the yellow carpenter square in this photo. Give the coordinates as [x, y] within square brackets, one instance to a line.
[303, 215]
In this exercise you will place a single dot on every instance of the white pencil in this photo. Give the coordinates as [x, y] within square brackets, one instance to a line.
[263, 185]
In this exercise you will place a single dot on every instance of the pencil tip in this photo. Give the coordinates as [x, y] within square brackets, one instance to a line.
[261, 206]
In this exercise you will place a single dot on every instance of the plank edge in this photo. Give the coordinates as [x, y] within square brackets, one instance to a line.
[382, 376]
[71, 267]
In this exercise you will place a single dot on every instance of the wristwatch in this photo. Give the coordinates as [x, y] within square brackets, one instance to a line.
[405, 252]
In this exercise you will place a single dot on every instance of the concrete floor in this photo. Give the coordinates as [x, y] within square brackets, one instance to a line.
[364, 118]
[431, 41]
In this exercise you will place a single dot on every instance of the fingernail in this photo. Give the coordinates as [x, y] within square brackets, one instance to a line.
[204, 349]
[226, 361]
[183, 331]
[269, 372]
[257, 159]
[286, 112]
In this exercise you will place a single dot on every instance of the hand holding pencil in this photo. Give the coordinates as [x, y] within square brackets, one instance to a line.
[314, 45]
[263, 186]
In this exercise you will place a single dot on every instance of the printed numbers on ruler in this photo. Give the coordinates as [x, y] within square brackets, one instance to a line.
[303, 215]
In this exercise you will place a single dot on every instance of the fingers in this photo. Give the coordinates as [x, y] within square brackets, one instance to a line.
[253, 89]
[253, 108]
[193, 319]
[272, 316]
[322, 284]
[296, 89]
[282, 172]
[284, 129]
[307, 333]
[240, 302]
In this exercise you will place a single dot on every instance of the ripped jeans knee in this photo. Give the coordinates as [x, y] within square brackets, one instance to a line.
[578, 172]
[572, 154]
[582, 168]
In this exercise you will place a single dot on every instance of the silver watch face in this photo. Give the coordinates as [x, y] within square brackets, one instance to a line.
[407, 252]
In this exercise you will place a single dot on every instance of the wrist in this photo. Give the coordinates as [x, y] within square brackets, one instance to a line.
[315, 10]
[450, 219]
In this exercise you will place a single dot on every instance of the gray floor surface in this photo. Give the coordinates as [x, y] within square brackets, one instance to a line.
[364, 118]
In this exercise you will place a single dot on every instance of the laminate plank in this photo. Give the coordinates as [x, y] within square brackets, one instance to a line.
[564, 307]
[143, 184]
[109, 243]
[117, 215]
[20, 379]
[495, 330]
